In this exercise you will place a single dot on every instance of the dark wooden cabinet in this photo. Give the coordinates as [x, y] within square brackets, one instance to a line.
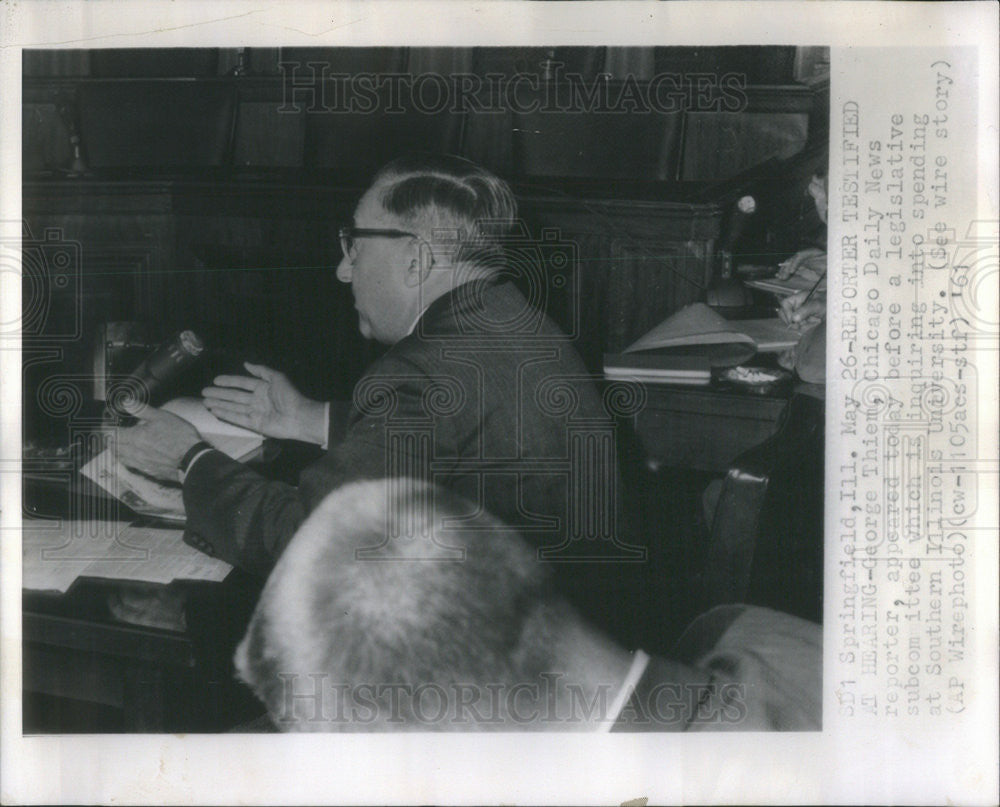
[703, 428]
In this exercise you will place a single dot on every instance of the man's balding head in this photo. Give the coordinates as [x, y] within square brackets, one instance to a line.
[348, 605]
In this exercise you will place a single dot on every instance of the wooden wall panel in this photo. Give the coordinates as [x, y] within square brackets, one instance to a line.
[302, 120]
[45, 141]
[636, 263]
[266, 136]
[252, 265]
[720, 145]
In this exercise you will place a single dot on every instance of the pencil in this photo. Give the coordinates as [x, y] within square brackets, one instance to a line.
[813, 289]
[780, 309]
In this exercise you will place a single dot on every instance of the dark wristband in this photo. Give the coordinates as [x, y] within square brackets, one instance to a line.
[192, 452]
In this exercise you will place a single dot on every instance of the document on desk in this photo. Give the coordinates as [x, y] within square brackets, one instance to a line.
[684, 347]
[143, 494]
[57, 553]
[697, 330]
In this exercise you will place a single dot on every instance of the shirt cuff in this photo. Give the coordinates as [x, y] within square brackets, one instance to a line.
[183, 472]
[326, 426]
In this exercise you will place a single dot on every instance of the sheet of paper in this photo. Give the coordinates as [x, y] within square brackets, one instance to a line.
[695, 324]
[230, 439]
[156, 555]
[159, 498]
[56, 553]
[143, 494]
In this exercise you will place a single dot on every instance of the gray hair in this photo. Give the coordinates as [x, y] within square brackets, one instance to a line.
[447, 606]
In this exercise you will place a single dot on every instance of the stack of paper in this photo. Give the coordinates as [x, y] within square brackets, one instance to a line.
[656, 368]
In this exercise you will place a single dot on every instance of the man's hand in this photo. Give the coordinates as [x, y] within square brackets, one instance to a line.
[807, 263]
[268, 404]
[795, 311]
[157, 444]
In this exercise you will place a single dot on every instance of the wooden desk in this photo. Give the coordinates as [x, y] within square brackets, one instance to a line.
[84, 671]
[702, 427]
[87, 671]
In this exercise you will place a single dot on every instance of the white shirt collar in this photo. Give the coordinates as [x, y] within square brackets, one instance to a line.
[640, 661]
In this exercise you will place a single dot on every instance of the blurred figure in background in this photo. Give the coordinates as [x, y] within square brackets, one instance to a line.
[807, 309]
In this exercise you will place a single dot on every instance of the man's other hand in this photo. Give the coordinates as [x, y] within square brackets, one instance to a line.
[267, 403]
[157, 444]
[809, 264]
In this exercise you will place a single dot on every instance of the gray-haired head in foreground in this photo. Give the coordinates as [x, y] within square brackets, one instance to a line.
[345, 607]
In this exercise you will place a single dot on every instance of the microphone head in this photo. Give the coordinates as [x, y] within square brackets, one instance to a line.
[190, 343]
[158, 372]
[745, 207]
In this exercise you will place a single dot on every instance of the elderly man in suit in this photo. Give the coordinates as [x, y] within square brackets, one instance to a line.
[478, 392]
[463, 631]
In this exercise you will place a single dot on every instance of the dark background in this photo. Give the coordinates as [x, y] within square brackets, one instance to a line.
[198, 199]
[176, 188]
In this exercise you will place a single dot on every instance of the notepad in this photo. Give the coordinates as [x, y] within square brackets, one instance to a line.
[239, 443]
[782, 288]
[654, 368]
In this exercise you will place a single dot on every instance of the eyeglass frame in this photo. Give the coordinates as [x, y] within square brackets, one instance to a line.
[354, 233]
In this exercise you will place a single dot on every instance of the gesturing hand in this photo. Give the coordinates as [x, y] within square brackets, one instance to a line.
[266, 403]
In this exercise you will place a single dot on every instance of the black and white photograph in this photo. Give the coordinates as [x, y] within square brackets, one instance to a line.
[400, 390]
[530, 325]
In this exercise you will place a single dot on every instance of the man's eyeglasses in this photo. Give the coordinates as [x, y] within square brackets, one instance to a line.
[350, 235]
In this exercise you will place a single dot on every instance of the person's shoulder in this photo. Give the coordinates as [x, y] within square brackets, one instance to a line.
[407, 357]
[493, 318]
[483, 307]
[415, 360]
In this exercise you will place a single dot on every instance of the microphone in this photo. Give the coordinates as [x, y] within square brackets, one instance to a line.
[726, 291]
[744, 209]
[161, 368]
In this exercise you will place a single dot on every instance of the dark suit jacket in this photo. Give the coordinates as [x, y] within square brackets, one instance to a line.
[486, 397]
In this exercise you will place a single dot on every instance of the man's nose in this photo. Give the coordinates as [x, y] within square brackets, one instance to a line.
[344, 270]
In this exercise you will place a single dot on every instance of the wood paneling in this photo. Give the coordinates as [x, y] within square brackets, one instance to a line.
[637, 262]
[251, 264]
[584, 127]
[720, 145]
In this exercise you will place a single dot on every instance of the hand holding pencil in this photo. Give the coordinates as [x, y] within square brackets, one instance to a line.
[804, 308]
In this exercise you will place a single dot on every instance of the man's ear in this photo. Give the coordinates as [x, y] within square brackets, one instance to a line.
[421, 263]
